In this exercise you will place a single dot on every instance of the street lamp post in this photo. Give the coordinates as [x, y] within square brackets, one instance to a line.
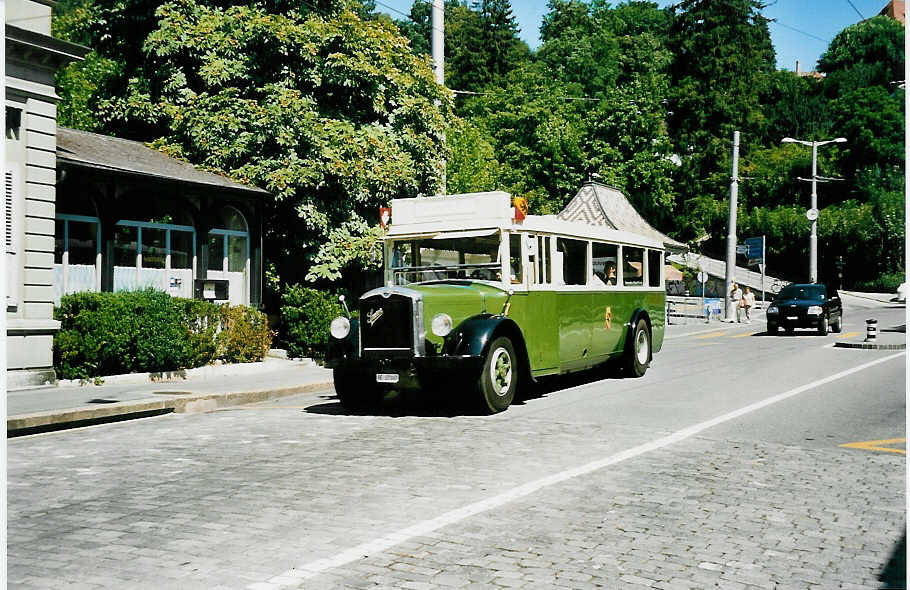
[812, 214]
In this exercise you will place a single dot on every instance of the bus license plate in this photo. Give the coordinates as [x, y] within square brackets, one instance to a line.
[387, 377]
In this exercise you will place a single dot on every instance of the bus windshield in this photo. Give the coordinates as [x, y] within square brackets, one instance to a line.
[441, 258]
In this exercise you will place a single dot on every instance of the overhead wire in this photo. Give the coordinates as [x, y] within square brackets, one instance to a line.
[850, 2]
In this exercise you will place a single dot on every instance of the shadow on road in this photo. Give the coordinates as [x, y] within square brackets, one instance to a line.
[462, 401]
[895, 573]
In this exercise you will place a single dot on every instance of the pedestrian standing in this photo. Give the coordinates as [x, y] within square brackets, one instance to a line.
[748, 303]
[736, 298]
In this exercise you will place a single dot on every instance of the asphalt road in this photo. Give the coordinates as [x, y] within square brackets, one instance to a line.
[723, 466]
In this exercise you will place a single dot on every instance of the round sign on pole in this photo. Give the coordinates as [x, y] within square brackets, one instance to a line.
[812, 214]
[702, 277]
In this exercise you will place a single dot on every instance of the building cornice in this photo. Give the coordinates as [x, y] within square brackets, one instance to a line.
[34, 47]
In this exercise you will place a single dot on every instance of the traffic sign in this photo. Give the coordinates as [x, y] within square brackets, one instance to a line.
[755, 249]
[702, 277]
[812, 214]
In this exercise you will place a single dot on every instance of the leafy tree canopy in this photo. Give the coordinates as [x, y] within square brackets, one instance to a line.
[332, 114]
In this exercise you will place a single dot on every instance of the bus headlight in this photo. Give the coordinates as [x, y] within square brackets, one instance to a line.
[814, 310]
[340, 328]
[441, 324]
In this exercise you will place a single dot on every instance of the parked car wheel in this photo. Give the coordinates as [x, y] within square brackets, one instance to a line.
[772, 328]
[355, 391]
[823, 326]
[640, 351]
[499, 378]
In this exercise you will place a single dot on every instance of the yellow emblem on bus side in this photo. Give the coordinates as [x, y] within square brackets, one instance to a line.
[608, 317]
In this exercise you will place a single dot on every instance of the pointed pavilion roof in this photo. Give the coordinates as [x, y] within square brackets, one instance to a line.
[599, 204]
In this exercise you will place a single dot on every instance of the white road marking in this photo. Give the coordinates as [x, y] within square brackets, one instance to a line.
[314, 568]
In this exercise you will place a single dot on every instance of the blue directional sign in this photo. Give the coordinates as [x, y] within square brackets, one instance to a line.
[755, 249]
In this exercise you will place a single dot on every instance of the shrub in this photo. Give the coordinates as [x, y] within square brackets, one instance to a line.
[150, 331]
[305, 318]
[244, 335]
[887, 283]
[111, 333]
[202, 320]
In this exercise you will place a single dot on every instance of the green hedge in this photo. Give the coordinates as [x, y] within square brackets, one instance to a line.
[887, 283]
[306, 315]
[150, 331]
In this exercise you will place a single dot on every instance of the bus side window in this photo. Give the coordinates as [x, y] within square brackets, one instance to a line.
[633, 260]
[574, 254]
[515, 263]
[543, 260]
[655, 268]
[603, 261]
[530, 245]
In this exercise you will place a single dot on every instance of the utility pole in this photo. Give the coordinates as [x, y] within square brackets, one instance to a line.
[812, 213]
[731, 229]
[438, 48]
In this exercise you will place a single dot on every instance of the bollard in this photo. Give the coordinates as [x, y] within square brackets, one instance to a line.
[871, 330]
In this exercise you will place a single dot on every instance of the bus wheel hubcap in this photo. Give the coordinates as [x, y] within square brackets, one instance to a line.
[641, 347]
[501, 371]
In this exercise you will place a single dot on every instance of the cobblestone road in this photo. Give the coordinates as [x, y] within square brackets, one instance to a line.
[244, 498]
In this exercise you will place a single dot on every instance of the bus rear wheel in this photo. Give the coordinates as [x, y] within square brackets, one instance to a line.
[499, 377]
[639, 355]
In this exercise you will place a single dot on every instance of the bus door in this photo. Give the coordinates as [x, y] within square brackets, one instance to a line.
[573, 302]
[539, 314]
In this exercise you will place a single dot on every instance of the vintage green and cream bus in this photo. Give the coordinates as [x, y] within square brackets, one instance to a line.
[473, 293]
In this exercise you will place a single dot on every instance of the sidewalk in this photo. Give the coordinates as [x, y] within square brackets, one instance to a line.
[124, 397]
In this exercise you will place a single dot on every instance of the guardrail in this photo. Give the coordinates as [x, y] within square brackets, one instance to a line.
[690, 310]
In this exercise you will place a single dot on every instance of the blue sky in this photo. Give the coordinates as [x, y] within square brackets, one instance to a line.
[816, 21]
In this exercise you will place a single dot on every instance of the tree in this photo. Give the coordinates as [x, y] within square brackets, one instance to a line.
[869, 53]
[722, 57]
[333, 115]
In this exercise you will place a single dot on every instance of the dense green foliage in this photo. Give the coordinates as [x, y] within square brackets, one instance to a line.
[150, 331]
[305, 318]
[332, 108]
[332, 114]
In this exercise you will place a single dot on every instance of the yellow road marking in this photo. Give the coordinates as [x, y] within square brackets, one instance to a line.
[710, 335]
[878, 445]
[847, 335]
[743, 335]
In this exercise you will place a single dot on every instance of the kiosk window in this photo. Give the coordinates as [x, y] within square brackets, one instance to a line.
[632, 266]
[655, 268]
[603, 261]
[574, 261]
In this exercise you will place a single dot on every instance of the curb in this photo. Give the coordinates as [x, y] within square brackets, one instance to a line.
[176, 402]
[177, 375]
[870, 346]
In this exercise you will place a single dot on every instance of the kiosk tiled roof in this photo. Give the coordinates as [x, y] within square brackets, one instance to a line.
[91, 150]
[599, 204]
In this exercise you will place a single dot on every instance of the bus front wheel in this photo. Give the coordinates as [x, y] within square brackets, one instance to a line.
[355, 391]
[640, 350]
[499, 378]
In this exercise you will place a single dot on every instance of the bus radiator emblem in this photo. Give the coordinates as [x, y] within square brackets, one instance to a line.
[374, 316]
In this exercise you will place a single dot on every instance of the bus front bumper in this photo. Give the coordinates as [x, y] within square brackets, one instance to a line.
[413, 373]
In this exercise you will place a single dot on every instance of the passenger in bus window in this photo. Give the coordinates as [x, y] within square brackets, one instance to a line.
[611, 273]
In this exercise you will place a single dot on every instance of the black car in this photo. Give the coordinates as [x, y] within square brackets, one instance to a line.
[810, 305]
